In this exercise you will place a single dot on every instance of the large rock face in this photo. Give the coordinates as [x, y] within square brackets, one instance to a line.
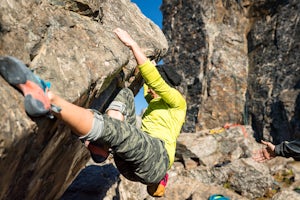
[71, 44]
[208, 45]
[208, 162]
[273, 79]
[240, 61]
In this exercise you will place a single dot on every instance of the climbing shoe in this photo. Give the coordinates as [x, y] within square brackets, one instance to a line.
[99, 153]
[218, 197]
[158, 190]
[33, 88]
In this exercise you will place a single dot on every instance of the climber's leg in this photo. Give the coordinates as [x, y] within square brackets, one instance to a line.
[79, 119]
[17, 74]
[122, 107]
[38, 99]
[138, 156]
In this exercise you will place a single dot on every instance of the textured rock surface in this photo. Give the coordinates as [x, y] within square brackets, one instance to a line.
[226, 167]
[240, 61]
[274, 58]
[208, 45]
[233, 73]
[71, 44]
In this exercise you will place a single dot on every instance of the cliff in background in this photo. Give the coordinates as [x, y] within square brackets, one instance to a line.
[72, 45]
[240, 60]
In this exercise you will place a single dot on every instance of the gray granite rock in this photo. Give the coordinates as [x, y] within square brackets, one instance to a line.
[72, 45]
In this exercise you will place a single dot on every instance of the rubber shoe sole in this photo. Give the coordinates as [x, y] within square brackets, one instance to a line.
[98, 154]
[18, 75]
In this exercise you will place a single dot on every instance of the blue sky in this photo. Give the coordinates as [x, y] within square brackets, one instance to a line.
[150, 9]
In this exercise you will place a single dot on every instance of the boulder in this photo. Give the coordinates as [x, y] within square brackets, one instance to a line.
[72, 45]
[223, 170]
[239, 61]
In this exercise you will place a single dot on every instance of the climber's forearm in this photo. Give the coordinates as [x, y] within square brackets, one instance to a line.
[131, 43]
[139, 55]
[289, 149]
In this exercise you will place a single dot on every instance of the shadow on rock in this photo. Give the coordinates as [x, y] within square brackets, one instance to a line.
[92, 183]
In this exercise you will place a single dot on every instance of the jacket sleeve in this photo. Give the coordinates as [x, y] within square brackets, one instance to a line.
[153, 79]
[146, 95]
[289, 149]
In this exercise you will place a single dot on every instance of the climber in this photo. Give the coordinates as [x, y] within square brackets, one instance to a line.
[284, 149]
[142, 155]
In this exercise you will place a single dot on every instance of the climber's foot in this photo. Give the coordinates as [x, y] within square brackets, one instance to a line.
[98, 154]
[17, 74]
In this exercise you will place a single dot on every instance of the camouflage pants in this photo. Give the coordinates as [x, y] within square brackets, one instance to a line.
[138, 156]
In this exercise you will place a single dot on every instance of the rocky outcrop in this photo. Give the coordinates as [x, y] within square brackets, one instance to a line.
[71, 44]
[208, 162]
[240, 61]
[273, 81]
[208, 45]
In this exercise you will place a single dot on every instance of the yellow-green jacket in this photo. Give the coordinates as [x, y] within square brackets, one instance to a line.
[165, 115]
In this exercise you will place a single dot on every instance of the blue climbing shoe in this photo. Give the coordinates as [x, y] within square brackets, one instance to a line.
[33, 88]
[218, 197]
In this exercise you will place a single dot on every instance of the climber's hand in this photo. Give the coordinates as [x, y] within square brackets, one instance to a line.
[266, 153]
[125, 37]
